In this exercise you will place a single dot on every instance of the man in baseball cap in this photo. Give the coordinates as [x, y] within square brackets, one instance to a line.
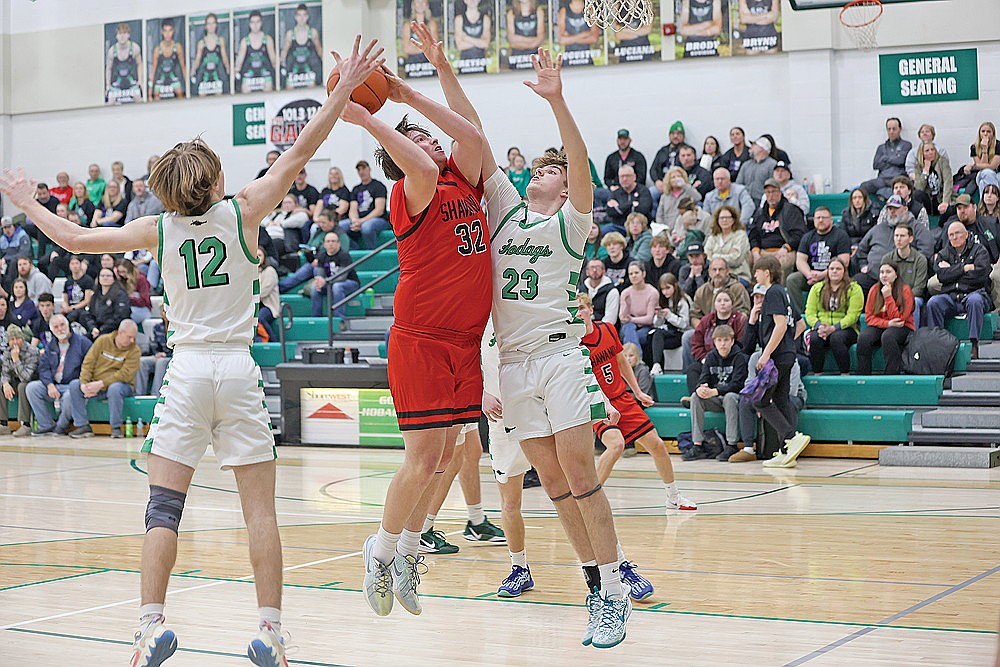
[624, 155]
[753, 173]
[794, 192]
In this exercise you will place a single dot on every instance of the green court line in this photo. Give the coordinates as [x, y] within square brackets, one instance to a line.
[48, 581]
[200, 651]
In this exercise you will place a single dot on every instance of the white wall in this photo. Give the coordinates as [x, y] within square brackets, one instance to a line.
[819, 100]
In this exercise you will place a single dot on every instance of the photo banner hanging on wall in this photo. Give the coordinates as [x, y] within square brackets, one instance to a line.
[756, 26]
[255, 57]
[472, 48]
[702, 28]
[124, 69]
[411, 61]
[209, 40]
[634, 42]
[524, 28]
[166, 59]
[301, 28]
[579, 44]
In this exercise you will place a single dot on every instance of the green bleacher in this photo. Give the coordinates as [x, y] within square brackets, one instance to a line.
[962, 359]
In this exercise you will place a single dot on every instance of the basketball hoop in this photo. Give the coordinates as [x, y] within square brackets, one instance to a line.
[618, 14]
[861, 18]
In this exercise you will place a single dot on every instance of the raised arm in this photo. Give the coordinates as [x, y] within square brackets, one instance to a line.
[262, 195]
[549, 87]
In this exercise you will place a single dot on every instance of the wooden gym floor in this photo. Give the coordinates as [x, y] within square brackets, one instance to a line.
[836, 562]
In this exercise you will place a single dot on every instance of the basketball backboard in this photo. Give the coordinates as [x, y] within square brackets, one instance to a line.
[837, 4]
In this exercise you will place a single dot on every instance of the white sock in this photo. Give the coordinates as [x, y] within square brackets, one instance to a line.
[385, 546]
[150, 613]
[429, 522]
[749, 450]
[519, 558]
[476, 514]
[611, 583]
[672, 492]
[621, 552]
[409, 543]
[270, 616]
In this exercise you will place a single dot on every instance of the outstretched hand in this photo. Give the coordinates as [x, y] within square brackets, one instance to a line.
[548, 71]
[432, 50]
[18, 187]
[356, 68]
[354, 113]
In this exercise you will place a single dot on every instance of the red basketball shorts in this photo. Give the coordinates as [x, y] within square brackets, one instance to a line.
[634, 422]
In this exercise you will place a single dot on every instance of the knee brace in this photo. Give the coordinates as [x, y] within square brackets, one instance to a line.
[588, 493]
[562, 497]
[164, 508]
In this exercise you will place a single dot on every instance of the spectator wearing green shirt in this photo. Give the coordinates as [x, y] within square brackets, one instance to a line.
[95, 184]
[519, 175]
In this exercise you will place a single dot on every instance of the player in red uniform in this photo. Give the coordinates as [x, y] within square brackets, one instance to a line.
[441, 307]
[615, 377]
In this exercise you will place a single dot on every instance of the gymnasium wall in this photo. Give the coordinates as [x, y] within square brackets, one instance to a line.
[819, 99]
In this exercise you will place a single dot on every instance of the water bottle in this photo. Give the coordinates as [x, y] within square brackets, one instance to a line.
[128, 428]
[369, 298]
[348, 356]
[56, 404]
[140, 428]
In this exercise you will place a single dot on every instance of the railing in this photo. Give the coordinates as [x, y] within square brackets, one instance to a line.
[285, 319]
[361, 290]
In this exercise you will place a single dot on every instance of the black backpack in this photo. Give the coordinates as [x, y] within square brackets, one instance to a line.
[930, 351]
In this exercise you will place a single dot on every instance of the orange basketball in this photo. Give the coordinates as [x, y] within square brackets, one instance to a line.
[371, 94]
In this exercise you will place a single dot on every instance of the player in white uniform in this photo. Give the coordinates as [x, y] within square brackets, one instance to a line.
[213, 392]
[549, 394]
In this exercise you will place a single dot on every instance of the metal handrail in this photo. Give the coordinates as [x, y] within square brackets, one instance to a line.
[284, 311]
[375, 281]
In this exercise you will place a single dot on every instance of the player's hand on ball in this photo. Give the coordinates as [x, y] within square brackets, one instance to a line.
[492, 407]
[432, 50]
[354, 113]
[549, 84]
[354, 69]
[645, 399]
[399, 91]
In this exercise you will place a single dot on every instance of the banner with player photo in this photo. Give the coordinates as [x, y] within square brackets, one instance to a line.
[578, 43]
[301, 27]
[702, 28]
[472, 48]
[524, 27]
[636, 43]
[411, 61]
[124, 71]
[209, 40]
[255, 56]
[167, 63]
[756, 26]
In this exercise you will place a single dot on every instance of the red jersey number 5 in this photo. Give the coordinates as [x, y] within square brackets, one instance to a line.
[471, 236]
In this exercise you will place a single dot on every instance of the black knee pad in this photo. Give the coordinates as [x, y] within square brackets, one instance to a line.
[164, 509]
[562, 497]
[589, 493]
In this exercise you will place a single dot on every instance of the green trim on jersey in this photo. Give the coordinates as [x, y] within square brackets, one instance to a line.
[562, 232]
[506, 218]
[243, 242]
[597, 411]
[159, 236]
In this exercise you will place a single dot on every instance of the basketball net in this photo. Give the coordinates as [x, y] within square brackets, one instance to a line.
[861, 20]
[618, 14]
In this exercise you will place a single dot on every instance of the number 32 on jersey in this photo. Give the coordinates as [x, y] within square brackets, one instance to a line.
[471, 236]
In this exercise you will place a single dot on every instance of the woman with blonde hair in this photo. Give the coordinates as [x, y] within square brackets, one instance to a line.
[113, 206]
[639, 237]
[137, 287]
[728, 240]
[985, 155]
[934, 177]
[675, 187]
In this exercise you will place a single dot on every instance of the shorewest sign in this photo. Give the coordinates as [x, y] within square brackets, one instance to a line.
[929, 76]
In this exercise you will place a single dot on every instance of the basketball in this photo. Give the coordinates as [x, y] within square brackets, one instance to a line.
[371, 94]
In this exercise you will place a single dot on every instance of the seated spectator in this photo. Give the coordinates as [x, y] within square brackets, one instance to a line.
[147, 266]
[616, 263]
[668, 156]
[95, 184]
[45, 198]
[335, 195]
[629, 198]
[727, 240]
[154, 365]
[676, 187]
[59, 365]
[722, 377]
[693, 223]
[77, 291]
[963, 269]
[710, 154]
[988, 202]
[367, 215]
[985, 155]
[326, 222]
[671, 320]
[701, 342]
[108, 307]
[902, 187]
[777, 228]
[81, 204]
[698, 177]
[285, 225]
[878, 241]
[307, 197]
[63, 191]
[18, 367]
[638, 237]
[889, 161]
[137, 288]
[14, 243]
[269, 159]
[858, 218]
[910, 267]
[984, 231]
[816, 249]
[925, 135]
[638, 306]
[754, 173]
[694, 274]
[40, 332]
[732, 160]
[23, 311]
[624, 155]
[661, 260]
[777, 154]
[329, 276]
[118, 177]
[832, 315]
[719, 280]
[143, 202]
[153, 159]
[53, 261]
[605, 298]
[108, 371]
[727, 192]
[36, 281]
[889, 321]
[934, 179]
[593, 249]
[790, 188]
[270, 301]
[519, 175]
[749, 416]
[111, 210]
[633, 355]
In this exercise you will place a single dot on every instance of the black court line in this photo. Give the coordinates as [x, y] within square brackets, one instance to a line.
[892, 619]
[845, 472]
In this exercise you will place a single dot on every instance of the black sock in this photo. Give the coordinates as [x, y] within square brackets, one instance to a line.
[592, 575]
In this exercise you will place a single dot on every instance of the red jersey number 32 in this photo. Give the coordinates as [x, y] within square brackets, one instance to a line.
[471, 236]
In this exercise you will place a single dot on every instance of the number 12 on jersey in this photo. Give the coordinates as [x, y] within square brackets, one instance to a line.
[208, 276]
